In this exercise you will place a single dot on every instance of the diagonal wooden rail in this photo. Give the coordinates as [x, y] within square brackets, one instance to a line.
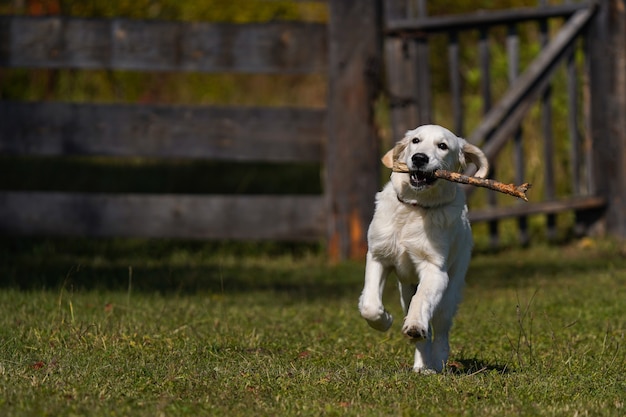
[504, 118]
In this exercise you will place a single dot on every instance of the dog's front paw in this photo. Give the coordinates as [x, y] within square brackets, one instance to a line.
[383, 323]
[377, 318]
[415, 331]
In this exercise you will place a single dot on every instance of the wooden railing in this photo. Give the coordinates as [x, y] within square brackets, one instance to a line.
[332, 136]
[341, 137]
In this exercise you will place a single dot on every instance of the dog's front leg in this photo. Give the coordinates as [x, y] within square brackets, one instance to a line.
[433, 283]
[371, 300]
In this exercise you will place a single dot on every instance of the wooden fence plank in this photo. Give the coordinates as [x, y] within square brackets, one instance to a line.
[401, 85]
[222, 133]
[455, 83]
[607, 92]
[352, 154]
[294, 218]
[513, 61]
[484, 58]
[545, 207]
[506, 115]
[573, 109]
[62, 42]
[548, 138]
[401, 72]
[423, 93]
[406, 26]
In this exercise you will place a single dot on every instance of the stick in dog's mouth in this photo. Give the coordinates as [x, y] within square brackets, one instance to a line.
[518, 191]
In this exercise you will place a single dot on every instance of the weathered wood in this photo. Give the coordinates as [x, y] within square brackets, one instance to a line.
[605, 106]
[588, 115]
[484, 58]
[423, 94]
[396, 9]
[607, 92]
[513, 58]
[352, 165]
[62, 42]
[401, 72]
[506, 115]
[293, 218]
[401, 85]
[221, 133]
[544, 207]
[421, 9]
[455, 83]
[548, 138]
[413, 26]
[573, 109]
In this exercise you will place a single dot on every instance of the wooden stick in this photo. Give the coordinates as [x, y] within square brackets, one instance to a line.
[518, 191]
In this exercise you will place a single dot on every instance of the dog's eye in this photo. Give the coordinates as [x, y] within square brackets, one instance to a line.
[416, 140]
[442, 146]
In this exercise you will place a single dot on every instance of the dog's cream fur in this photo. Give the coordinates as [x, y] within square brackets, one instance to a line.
[420, 230]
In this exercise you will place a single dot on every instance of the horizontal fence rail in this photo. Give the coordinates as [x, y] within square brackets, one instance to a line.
[219, 133]
[340, 137]
[123, 44]
[291, 218]
[253, 134]
[418, 26]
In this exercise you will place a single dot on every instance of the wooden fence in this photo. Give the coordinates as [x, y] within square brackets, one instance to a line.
[595, 105]
[341, 137]
[349, 51]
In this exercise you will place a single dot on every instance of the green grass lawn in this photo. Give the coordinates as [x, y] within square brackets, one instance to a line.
[164, 328]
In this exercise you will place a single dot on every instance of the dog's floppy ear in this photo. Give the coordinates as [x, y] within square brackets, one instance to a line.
[388, 159]
[393, 154]
[475, 155]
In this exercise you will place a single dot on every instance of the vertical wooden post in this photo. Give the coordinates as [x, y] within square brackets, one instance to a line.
[484, 57]
[423, 93]
[455, 83]
[401, 75]
[548, 140]
[352, 151]
[513, 58]
[607, 91]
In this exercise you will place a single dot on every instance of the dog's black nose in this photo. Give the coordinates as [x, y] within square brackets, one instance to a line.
[419, 159]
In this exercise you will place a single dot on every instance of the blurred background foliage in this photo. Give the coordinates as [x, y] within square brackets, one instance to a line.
[197, 176]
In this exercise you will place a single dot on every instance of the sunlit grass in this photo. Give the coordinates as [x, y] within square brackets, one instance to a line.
[147, 328]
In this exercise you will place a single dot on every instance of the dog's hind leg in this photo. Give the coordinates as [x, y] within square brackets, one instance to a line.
[371, 300]
[423, 352]
[441, 325]
[446, 310]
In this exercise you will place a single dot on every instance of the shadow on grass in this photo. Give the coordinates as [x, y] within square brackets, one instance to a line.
[525, 267]
[174, 266]
[474, 366]
[222, 267]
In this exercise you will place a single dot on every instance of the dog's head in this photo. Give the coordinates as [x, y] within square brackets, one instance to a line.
[423, 151]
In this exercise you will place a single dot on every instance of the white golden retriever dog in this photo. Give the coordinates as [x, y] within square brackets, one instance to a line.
[420, 230]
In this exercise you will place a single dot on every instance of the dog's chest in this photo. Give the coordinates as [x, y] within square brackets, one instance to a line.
[406, 236]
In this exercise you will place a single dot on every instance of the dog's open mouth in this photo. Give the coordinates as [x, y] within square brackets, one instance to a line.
[419, 179]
